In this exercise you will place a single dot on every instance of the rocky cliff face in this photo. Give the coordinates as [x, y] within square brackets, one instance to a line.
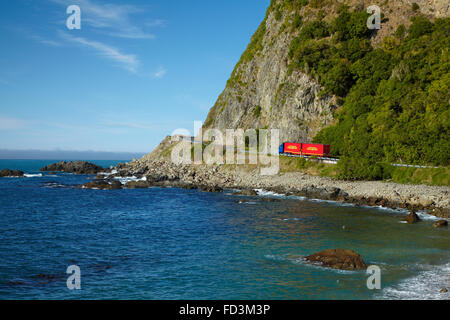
[263, 92]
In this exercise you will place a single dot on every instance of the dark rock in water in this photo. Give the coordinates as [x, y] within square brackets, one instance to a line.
[11, 173]
[444, 290]
[181, 185]
[115, 185]
[270, 200]
[14, 283]
[102, 185]
[338, 259]
[47, 278]
[412, 218]
[440, 224]
[76, 167]
[137, 185]
[211, 188]
[246, 192]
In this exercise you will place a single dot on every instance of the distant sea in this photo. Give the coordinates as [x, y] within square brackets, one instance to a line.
[185, 244]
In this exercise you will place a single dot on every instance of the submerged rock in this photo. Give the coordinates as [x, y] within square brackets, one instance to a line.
[102, 185]
[338, 259]
[11, 173]
[137, 185]
[76, 167]
[440, 224]
[412, 218]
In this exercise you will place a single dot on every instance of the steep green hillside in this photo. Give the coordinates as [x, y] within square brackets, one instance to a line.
[395, 98]
[315, 71]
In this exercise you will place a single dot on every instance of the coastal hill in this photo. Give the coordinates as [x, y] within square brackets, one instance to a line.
[316, 72]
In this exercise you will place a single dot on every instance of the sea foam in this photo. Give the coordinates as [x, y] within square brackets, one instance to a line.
[424, 286]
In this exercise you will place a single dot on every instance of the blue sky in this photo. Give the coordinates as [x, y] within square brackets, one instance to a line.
[136, 71]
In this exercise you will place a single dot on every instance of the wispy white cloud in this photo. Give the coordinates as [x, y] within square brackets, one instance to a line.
[129, 62]
[158, 74]
[156, 23]
[114, 19]
[131, 125]
[8, 123]
[45, 41]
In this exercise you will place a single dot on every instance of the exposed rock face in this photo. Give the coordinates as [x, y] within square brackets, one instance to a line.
[262, 92]
[440, 224]
[412, 218]
[338, 259]
[76, 167]
[11, 173]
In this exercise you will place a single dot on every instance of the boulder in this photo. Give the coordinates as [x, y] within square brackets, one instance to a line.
[338, 259]
[184, 185]
[76, 167]
[412, 218]
[102, 185]
[211, 188]
[115, 185]
[444, 290]
[440, 224]
[11, 173]
[137, 185]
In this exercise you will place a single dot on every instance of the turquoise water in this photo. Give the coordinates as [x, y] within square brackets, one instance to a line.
[184, 244]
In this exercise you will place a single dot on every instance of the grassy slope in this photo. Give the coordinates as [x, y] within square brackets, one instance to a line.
[428, 176]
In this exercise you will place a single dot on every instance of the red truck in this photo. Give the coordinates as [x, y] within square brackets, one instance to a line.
[305, 149]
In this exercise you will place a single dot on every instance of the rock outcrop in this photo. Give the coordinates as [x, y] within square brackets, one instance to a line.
[338, 259]
[137, 185]
[75, 167]
[412, 218]
[211, 188]
[102, 185]
[11, 173]
[440, 224]
[264, 92]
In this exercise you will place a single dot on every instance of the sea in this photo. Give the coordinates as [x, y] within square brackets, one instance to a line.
[169, 243]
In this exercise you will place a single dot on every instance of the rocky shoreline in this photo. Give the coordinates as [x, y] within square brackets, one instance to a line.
[435, 200]
[75, 167]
